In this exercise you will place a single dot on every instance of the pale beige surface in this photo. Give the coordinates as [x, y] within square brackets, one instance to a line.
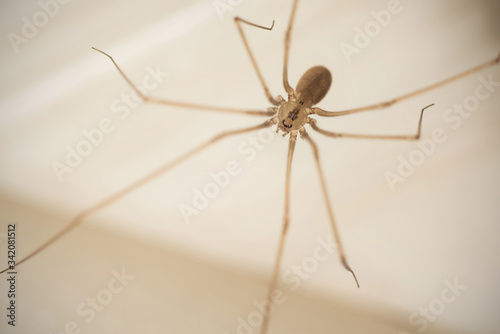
[166, 291]
[442, 223]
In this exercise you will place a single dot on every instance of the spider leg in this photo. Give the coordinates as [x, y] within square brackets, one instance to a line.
[237, 20]
[149, 99]
[336, 233]
[416, 136]
[279, 255]
[382, 105]
[288, 33]
[134, 186]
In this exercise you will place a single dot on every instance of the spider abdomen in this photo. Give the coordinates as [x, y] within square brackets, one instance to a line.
[313, 85]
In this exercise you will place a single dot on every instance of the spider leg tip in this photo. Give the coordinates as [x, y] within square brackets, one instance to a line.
[355, 278]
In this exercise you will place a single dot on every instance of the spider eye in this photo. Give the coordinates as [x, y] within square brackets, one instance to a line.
[285, 125]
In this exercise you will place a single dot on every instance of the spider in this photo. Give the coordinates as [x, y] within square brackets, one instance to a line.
[293, 116]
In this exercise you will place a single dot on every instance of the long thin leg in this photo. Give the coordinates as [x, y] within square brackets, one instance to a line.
[362, 136]
[279, 255]
[336, 234]
[149, 99]
[287, 86]
[321, 112]
[134, 186]
[237, 20]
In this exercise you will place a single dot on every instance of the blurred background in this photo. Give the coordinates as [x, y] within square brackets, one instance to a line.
[207, 272]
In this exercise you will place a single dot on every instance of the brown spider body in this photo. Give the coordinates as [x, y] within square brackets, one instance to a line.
[311, 89]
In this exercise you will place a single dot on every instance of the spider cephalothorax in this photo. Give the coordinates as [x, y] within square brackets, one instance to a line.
[292, 115]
